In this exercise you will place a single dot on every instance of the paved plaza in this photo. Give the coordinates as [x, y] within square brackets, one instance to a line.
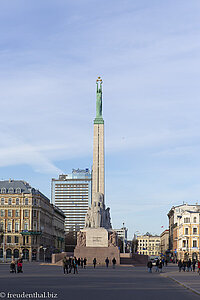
[124, 282]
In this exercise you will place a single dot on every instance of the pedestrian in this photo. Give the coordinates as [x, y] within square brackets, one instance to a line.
[166, 262]
[114, 262]
[79, 261]
[189, 265]
[70, 264]
[94, 262]
[184, 265]
[160, 266]
[64, 261]
[13, 266]
[157, 264]
[149, 266]
[180, 265]
[107, 262]
[193, 265]
[19, 266]
[199, 267]
[84, 262]
[75, 265]
[163, 262]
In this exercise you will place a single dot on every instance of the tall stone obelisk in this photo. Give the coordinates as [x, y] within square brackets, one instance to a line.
[98, 180]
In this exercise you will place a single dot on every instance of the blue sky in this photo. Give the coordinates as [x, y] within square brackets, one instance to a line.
[148, 54]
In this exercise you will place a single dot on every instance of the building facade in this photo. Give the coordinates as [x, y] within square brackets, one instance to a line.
[72, 194]
[30, 226]
[184, 231]
[149, 245]
[164, 242]
[122, 235]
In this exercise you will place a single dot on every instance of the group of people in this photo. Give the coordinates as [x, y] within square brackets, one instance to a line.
[72, 264]
[188, 265]
[159, 265]
[17, 264]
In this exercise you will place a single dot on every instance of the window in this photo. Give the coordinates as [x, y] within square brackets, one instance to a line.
[186, 220]
[9, 201]
[10, 191]
[8, 239]
[18, 190]
[184, 244]
[3, 191]
[9, 227]
[17, 213]
[195, 219]
[27, 239]
[34, 213]
[26, 213]
[195, 244]
[16, 227]
[17, 201]
[26, 201]
[25, 226]
[9, 212]
[2, 201]
[16, 239]
[186, 230]
[1, 226]
[2, 212]
[194, 230]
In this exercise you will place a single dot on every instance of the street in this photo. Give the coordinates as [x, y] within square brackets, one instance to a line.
[100, 283]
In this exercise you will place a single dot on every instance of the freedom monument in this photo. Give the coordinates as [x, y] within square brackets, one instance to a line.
[97, 239]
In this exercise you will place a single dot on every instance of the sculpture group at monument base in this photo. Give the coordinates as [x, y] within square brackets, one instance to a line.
[100, 253]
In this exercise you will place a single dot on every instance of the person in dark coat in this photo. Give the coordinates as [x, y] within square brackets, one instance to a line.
[85, 262]
[79, 261]
[114, 262]
[82, 262]
[65, 265]
[184, 265]
[75, 265]
[70, 264]
[180, 265]
[149, 266]
[157, 265]
[193, 265]
[160, 266]
[107, 262]
[94, 262]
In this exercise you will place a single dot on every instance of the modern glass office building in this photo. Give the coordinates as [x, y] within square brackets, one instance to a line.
[72, 194]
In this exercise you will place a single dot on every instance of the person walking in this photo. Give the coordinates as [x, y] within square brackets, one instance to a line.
[193, 265]
[70, 264]
[184, 266]
[94, 262]
[166, 262]
[64, 261]
[199, 267]
[82, 262]
[180, 265]
[157, 264]
[114, 262]
[107, 262]
[79, 261]
[85, 262]
[160, 266]
[149, 266]
[75, 265]
[189, 265]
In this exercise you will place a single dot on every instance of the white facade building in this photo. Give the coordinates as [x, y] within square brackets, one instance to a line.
[72, 194]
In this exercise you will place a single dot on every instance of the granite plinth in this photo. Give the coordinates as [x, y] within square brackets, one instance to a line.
[100, 253]
[96, 237]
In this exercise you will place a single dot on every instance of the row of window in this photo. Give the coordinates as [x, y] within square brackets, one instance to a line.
[194, 243]
[9, 226]
[17, 201]
[15, 239]
[187, 220]
[16, 213]
[194, 230]
[10, 191]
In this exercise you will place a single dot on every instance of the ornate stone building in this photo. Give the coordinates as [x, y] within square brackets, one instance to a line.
[30, 226]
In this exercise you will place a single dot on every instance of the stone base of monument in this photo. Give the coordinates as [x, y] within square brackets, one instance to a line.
[98, 243]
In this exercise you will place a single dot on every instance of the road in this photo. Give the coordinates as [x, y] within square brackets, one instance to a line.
[101, 283]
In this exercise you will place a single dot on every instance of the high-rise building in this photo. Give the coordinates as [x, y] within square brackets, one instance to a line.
[72, 194]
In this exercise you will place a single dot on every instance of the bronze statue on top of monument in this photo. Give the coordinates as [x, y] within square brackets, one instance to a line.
[97, 239]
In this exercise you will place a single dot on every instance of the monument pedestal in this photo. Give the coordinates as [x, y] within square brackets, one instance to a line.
[98, 243]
